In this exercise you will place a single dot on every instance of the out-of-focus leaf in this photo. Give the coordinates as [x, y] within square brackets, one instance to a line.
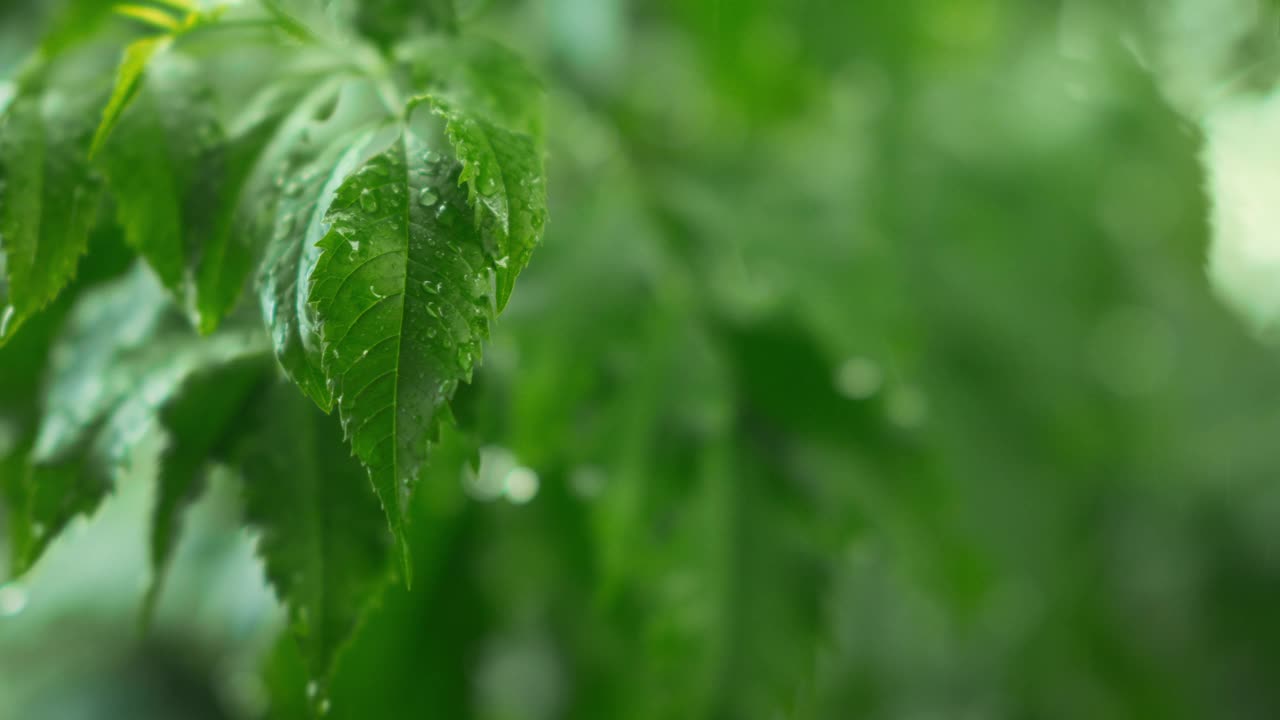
[323, 539]
[385, 21]
[198, 419]
[486, 78]
[132, 65]
[178, 180]
[120, 359]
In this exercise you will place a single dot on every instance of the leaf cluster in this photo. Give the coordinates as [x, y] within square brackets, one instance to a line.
[325, 210]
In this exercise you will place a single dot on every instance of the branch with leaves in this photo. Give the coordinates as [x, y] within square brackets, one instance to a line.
[343, 163]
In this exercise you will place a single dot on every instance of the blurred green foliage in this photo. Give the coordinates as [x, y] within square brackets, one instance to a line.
[869, 370]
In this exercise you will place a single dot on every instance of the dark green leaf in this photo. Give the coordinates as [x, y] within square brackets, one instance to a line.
[132, 65]
[177, 180]
[322, 537]
[504, 176]
[315, 149]
[404, 290]
[48, 200]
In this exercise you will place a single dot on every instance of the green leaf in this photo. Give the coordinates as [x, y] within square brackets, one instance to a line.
[385, 21]
[49, 200]
[317, 147]
[404, 292]
[132, 65]
[88, 379]
[120, 359]
[322, 537]
[480, 75]
[197, 420]
[503, 171]
[177, 180]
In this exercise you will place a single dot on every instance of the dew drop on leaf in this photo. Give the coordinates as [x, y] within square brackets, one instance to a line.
[368, 201]
[428, 197]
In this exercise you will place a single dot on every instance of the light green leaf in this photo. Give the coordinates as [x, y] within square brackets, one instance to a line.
[120, 359]
[323, 540]
[504, 172]
[297, 179]
[404, 291]
[88, 378]
[49, 199]
[132, 65]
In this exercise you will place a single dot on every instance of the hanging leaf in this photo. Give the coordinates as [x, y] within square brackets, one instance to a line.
[404, 291]
[322, 537]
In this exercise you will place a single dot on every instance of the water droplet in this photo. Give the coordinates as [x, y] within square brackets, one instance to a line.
[433, 288]
[368, 201]
[13, 599]
[428, 197]
[521, 485]
[859, 378]
[502, 261]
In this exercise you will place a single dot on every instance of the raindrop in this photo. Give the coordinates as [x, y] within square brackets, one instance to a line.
[428, 197]
[13, 599]
[521, 485]
[368, 201]
[502, 261]
[859, 378]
